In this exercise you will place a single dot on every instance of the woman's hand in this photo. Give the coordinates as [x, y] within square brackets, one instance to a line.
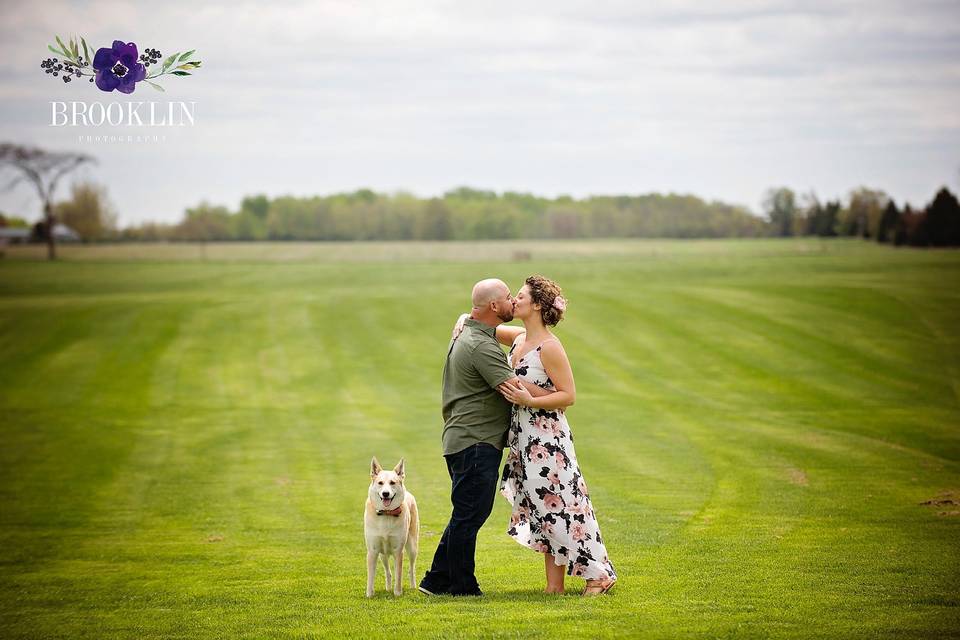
[458, 327]
[516, 394]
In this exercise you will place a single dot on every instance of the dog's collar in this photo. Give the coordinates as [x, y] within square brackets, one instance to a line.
[391, 512]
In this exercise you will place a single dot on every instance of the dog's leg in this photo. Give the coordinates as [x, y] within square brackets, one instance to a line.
[371, 571]
[398, 591]
[413, 541]
[386, 568]
[412, 552]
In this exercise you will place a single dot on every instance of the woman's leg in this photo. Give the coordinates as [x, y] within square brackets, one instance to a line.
[555, 573]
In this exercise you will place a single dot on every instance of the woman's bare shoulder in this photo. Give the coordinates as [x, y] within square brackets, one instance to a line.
[552, 347]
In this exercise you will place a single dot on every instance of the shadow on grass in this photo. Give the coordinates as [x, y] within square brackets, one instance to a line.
[512, 596]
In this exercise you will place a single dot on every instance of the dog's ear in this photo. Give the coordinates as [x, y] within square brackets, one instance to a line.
[399, 468]
[375, 467]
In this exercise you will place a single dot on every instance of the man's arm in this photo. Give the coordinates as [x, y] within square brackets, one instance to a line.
[493, 366]
[491, 363]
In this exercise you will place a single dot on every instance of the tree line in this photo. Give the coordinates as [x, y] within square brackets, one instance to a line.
[471, 214]
[867, 214]
[461, 214]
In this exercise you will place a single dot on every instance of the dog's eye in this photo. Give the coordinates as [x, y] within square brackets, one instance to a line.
[380, 483]
[392, 482]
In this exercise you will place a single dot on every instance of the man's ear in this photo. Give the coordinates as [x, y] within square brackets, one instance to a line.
[399, 468]
[375, 467]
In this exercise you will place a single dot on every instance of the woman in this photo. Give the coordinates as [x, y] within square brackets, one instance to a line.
[552, 511]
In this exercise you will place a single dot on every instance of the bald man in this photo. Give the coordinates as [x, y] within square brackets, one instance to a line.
[476, 418]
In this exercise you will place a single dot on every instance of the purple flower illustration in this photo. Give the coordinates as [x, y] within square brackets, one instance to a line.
[118, 67]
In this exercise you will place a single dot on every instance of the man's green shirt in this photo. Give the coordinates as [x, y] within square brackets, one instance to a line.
[473, 409]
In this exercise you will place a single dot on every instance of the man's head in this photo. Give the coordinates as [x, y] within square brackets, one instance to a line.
[492, 302]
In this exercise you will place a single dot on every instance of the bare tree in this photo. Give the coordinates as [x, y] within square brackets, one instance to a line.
[43, 169]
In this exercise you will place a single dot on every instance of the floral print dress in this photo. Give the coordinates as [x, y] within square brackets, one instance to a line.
[552, 512]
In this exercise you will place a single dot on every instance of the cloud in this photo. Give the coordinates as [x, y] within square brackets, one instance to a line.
[562, 97]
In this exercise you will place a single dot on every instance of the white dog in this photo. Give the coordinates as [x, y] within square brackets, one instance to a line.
[390, 523]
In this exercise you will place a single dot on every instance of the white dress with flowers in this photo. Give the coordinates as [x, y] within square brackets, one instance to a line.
[552, 512]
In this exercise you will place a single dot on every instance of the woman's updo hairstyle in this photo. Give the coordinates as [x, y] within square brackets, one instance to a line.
[546, 293]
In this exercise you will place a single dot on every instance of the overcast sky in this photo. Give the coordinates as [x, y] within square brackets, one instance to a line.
[553, 98]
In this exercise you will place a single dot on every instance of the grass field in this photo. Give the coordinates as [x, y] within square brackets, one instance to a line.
[187, 434]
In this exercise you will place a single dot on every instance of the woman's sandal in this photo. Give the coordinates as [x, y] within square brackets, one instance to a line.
[598, 588]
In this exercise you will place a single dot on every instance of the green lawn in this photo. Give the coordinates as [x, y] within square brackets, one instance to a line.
[187, 434]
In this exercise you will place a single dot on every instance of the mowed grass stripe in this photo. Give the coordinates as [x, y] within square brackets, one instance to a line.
[233, 408]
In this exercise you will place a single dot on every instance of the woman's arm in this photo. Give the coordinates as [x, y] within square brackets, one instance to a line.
[534, 389]
[506, 335]
[557, 366]
[458, 325]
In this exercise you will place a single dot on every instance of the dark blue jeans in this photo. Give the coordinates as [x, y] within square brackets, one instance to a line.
[474, 473]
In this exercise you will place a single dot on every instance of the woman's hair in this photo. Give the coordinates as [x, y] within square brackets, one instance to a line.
[547, 294]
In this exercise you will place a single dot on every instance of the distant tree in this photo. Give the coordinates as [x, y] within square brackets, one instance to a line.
[817, 219]
[864, 212]
[804, 223]
[780, 207]
[364, 195]
[88, 212]
[467, 193]
[42, 169]
[258, 205]
[250, 223]
[915, 228]
[204, 222]
[13, 222]
[149, 232]
[39, 232]
[943, 220]
[888, 223]
[827, 224]
[563, 223]
[900, 235]
[436, 222]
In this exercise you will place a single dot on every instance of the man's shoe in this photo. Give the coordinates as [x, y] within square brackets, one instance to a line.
[432, 592]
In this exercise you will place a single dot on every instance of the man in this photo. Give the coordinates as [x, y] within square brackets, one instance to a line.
[475, 421]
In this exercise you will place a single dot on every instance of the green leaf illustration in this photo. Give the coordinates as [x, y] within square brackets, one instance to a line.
[63, 47]
[86, 52]
[56, 51]
[169, 61]
[186, 55]
[188, 66]
[181, 73]
[73, 49]
[155, 86]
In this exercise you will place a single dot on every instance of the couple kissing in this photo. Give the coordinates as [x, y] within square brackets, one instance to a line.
[517, 401]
